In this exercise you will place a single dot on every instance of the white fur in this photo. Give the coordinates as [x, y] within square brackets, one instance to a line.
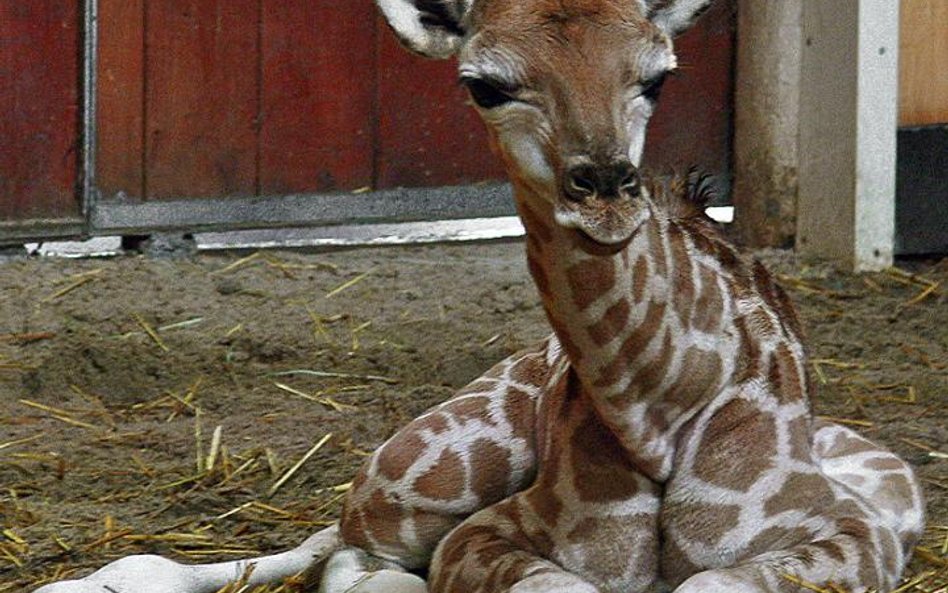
[153, 574]
[678, 16]
[432, 42]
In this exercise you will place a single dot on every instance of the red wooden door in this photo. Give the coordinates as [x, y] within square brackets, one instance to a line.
[235, 98]
[39, 110]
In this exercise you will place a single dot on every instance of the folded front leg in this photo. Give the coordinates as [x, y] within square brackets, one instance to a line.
[859, 559]
[492, 553]
[588, 523]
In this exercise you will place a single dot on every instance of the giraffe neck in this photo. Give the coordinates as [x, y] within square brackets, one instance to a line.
[648, 326]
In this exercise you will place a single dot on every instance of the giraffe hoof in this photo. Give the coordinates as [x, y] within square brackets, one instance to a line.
[390, 581]
[353, 571]
[553, 583]
[716, 581]
[132, 574]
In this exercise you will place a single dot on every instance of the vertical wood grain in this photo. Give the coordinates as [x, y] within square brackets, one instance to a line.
[428, 135]
[201, 94]
[923, 62]
[121, 89]
[39, 109]
[318, 88]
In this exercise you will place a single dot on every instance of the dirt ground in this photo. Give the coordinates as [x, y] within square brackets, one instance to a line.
[114, 375]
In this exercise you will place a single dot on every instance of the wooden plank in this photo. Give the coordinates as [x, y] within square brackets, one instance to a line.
[692, 125]
[428, 135]
[923, 62]
[201, 92]
[318, 98]
[766, 122]
[121, 87]
[848, 121]
[39, 109]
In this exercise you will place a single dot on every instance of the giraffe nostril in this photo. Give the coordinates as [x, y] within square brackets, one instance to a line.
[580, 182]
[630, 181]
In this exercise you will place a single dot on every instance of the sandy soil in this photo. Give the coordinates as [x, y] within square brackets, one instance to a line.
[115, 373]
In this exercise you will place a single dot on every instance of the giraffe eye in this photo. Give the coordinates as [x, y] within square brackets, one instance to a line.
[486, 94]
[652, 88]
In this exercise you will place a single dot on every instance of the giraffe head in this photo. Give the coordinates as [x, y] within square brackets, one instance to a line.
[566, 88]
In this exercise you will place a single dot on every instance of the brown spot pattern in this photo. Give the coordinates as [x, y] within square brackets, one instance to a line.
[831, 548]
[656, 247]
[798, 430]
[352, 527]
[539, 275]
[399, 454]
[545, 503]
[738, 445]
[434, 422]
[383, 519]
[490, 471]
[647, 379]
[566, 340]
[639, 279]
[848, 444]
[530, 370]
[634, 345]
[710, 306]
[590, 279]
[748, 358]
[776, 538]
[651, 374]
[535, 223]
[800, 491]
[701, 373]
[884, 463]
[676, 566]
[784, 375]
[900, 492]
[611, 324]
[445, 479]
[601, 470]
[704, 523]
[520, 411]
[471, 408]
[683, 285]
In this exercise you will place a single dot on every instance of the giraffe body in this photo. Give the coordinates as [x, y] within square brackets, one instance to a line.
[678, 448]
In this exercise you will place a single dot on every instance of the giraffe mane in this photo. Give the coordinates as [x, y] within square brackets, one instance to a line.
[683, 197]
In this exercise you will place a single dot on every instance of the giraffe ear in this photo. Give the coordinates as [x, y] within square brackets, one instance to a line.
[432, 28]
[675, 16]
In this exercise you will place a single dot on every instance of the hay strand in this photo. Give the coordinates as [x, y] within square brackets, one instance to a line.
[296, 466]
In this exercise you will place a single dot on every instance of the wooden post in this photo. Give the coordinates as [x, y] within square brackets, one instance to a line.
[848, 121]
[766, 121]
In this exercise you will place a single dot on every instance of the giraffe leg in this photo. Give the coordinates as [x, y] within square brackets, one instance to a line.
[588, 523]
[875, 475]
[154, 574]
[497, 551]
[859, 558]
[464, 455]
[354, 571]
[871, 514]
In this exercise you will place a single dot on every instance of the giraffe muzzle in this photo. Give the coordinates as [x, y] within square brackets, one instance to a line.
[603, 201]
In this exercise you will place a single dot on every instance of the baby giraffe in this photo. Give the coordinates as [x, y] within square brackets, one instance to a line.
[676, 448]
[662, 437]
